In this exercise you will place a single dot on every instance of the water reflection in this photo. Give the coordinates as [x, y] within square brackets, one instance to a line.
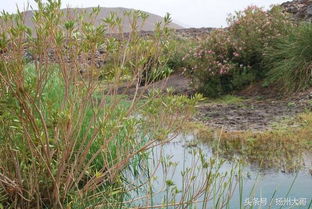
[185, 171]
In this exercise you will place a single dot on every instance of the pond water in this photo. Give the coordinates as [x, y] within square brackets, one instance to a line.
[181, 169]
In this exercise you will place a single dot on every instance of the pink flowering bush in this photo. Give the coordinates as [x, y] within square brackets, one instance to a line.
[233, 57]
[210, 63]
[254, 29]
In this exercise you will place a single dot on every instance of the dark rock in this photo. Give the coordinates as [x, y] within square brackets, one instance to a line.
[309, 10]
[101, 51]
[28, 56]
[100, 63]
[301, 9]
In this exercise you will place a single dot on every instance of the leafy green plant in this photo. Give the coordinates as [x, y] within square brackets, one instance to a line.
[289, 60]
[179, 48]
[252, 30]
[232, 58]
[65, 136]
[147, 56]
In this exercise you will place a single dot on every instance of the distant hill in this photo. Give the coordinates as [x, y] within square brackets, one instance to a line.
[72, 12]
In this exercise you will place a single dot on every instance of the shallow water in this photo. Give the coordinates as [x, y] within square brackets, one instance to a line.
[268, 187]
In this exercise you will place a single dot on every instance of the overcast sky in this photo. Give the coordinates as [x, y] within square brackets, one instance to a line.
[188, 13]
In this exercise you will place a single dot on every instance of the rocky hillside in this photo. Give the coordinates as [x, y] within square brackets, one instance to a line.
[301, 9]
[72, 13]
[196, 33]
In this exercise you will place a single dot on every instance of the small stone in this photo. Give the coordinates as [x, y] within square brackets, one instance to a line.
[309, 10]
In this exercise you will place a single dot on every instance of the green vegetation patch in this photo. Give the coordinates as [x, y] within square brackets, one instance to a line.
[281, 148]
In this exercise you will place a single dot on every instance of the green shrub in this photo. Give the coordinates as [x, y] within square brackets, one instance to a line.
[231, 58]
[67, 137]
[147, 56]
[180, 47]
[289, 60]
[252, 30]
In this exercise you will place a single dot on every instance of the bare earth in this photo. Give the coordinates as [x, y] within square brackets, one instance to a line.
[253, 114]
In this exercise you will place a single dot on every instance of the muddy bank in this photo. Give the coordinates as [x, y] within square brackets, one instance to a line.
[253, 113]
